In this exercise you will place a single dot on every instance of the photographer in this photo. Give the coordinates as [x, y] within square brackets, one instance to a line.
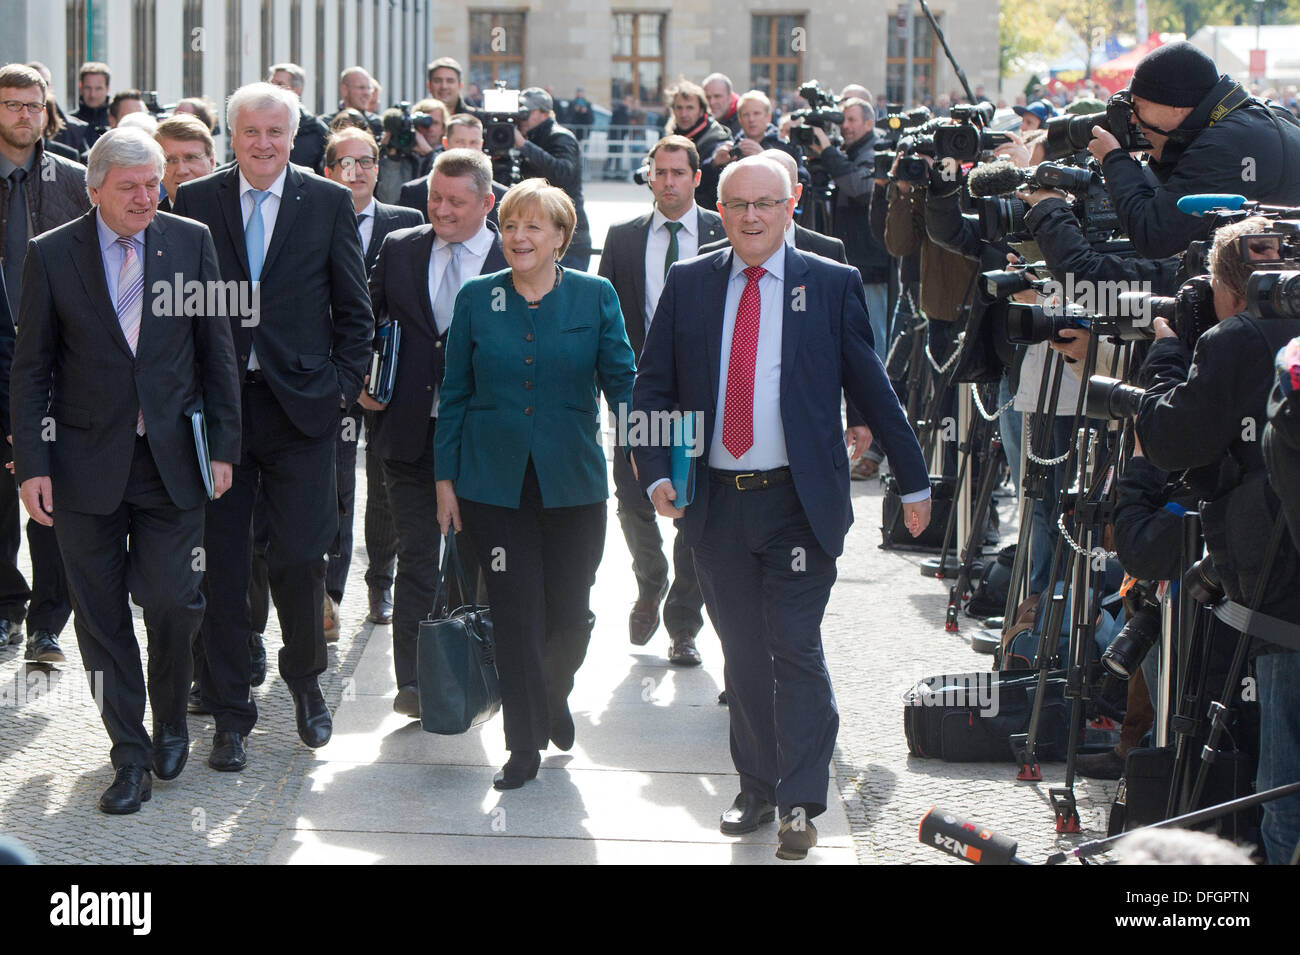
[1207, 136]
[757, 132]
[1201, 413]
[549, 151]
[412, 140]
[851, 170]
[1282, 435]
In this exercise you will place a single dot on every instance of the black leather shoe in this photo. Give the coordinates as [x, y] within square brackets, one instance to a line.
[381, 606]
[407, 701]
[228, 754]
[746, 814]
[195, 704]
[519, 768]
[11, 632]
[562, 731]
[43, 647]
[171, 750]
[1107, 765]
[131, 786]
[683, 652]
[314, 723]
[795, 837]
[643, 621]
[257, 657]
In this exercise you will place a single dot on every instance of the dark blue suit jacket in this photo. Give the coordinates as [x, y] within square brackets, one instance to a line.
[826, 346]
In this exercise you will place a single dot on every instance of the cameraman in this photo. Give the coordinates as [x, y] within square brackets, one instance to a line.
[757, 133]
[1201, 413]
[1282, 436]
[1207, 136]
[549, 151]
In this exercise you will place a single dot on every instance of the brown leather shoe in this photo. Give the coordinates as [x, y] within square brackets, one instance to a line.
[331, 620]
[865, 469]
[795, 837]
[643, 621]
[683, 652]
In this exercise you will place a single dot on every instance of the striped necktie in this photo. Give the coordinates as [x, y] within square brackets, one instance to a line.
[130, 299]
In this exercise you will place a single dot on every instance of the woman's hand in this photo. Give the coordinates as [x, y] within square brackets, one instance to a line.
[448, 507]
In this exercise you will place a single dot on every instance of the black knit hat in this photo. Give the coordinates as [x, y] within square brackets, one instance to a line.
[1176, 74]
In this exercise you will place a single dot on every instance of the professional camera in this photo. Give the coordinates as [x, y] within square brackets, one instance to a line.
[1190, 312]
[822, 113]
[898, 119]
[155, 108]
[400, 125]
[1273, 291]
[1067, 135]
[500, 114]
[1002, 218]
[965, 138]
[1109, 399]
[1126, 652]
[1030, 324]
[1092, 203]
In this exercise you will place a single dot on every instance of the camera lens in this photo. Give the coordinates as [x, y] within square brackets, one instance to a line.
[1131, 645]
[1273, 294]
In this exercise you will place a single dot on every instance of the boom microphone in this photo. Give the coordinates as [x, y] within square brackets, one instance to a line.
[995, 179]
[946, 832]
[1199, 205]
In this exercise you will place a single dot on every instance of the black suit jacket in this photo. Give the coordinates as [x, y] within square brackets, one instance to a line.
[72, 363]
[314, 327]
[622, 261]
[415, 195]
[399, 289]
[805, 240]
[388, 219]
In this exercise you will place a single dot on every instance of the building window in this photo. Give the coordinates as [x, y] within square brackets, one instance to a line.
[76, 52]
[234, 44]
[268, 36]
[192, 58]
[922, 59]
[637, 67]
[145, 43]
[776, 57]
[496, 49]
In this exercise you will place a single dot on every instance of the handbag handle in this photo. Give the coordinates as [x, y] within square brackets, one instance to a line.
[450, 561]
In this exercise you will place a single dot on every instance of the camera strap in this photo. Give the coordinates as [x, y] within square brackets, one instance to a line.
[1260, 625]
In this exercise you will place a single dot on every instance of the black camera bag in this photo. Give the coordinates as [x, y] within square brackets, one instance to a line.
[956, 732]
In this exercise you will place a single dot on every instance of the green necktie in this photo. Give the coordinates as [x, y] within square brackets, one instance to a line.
[673, 228]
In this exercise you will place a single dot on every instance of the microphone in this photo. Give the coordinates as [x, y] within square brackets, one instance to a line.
[1199, 205]
[946, 832]
[995, 179]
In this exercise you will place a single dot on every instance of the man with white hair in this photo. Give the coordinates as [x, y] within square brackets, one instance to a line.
[120, 371]
[759, 341]
[302, 359]
[757, 132]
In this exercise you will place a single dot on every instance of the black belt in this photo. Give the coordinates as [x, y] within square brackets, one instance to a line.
[255, 378]
[751, 480]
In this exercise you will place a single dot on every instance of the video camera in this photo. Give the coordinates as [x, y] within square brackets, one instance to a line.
[887, 143]
[965, 138]
[1067, 135]
[822, 113]
[400, 124]
[501, 114]
[1002, 217]
[152, 104]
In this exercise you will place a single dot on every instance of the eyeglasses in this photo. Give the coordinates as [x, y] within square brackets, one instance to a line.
[761, 206]
[349, 162]
[17, 106]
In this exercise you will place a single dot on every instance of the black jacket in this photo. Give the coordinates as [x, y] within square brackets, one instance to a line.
[415, 195]
[1251, 151]
[56, 193]
[707, 136]
[1066, 250]
[852, 170]
[96, 120]
[314, 328]
[388, 219]
[309, 143]
[1282, 455]
[551, 152]
[1206, 413]
[1148, 521]
[74, 135]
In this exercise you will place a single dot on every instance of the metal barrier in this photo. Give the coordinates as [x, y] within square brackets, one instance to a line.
[615, 152]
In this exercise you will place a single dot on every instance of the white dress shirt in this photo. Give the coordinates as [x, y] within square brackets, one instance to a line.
[768, 450]
[270, 209]
[474, 252]
[656, 250]
[366, 226]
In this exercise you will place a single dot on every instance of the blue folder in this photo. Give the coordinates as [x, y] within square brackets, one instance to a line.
[685, 450]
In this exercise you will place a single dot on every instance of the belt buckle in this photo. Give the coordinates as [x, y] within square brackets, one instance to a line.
[741, 477]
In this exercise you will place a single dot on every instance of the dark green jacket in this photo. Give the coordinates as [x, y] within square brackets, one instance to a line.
[496, 408]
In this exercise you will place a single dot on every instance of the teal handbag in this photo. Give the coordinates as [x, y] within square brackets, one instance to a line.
[455, 662]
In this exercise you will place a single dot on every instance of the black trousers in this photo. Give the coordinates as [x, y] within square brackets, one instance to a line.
[381, 539]
[147, 548]
[539, 564]
[45, 604]
[380, 529]
[636, 515]
[413, 496]
[766, 582]
[296, 476]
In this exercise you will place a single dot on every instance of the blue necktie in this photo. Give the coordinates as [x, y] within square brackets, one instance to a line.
[255, 235]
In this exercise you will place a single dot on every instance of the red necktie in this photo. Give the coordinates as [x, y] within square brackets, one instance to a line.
[738, 408]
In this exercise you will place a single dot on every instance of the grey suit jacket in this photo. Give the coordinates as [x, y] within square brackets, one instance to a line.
[623, 263]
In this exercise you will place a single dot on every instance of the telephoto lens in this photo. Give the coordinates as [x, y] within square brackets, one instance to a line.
[1273, 294]
[1109, 399]
[1130, 646]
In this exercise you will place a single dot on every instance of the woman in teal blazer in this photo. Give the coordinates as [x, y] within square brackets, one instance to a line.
[518, 455]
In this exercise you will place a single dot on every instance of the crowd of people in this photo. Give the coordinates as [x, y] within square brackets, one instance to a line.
[761, 289]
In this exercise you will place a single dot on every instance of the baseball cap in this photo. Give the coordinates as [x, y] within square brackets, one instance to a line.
[536, 98]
